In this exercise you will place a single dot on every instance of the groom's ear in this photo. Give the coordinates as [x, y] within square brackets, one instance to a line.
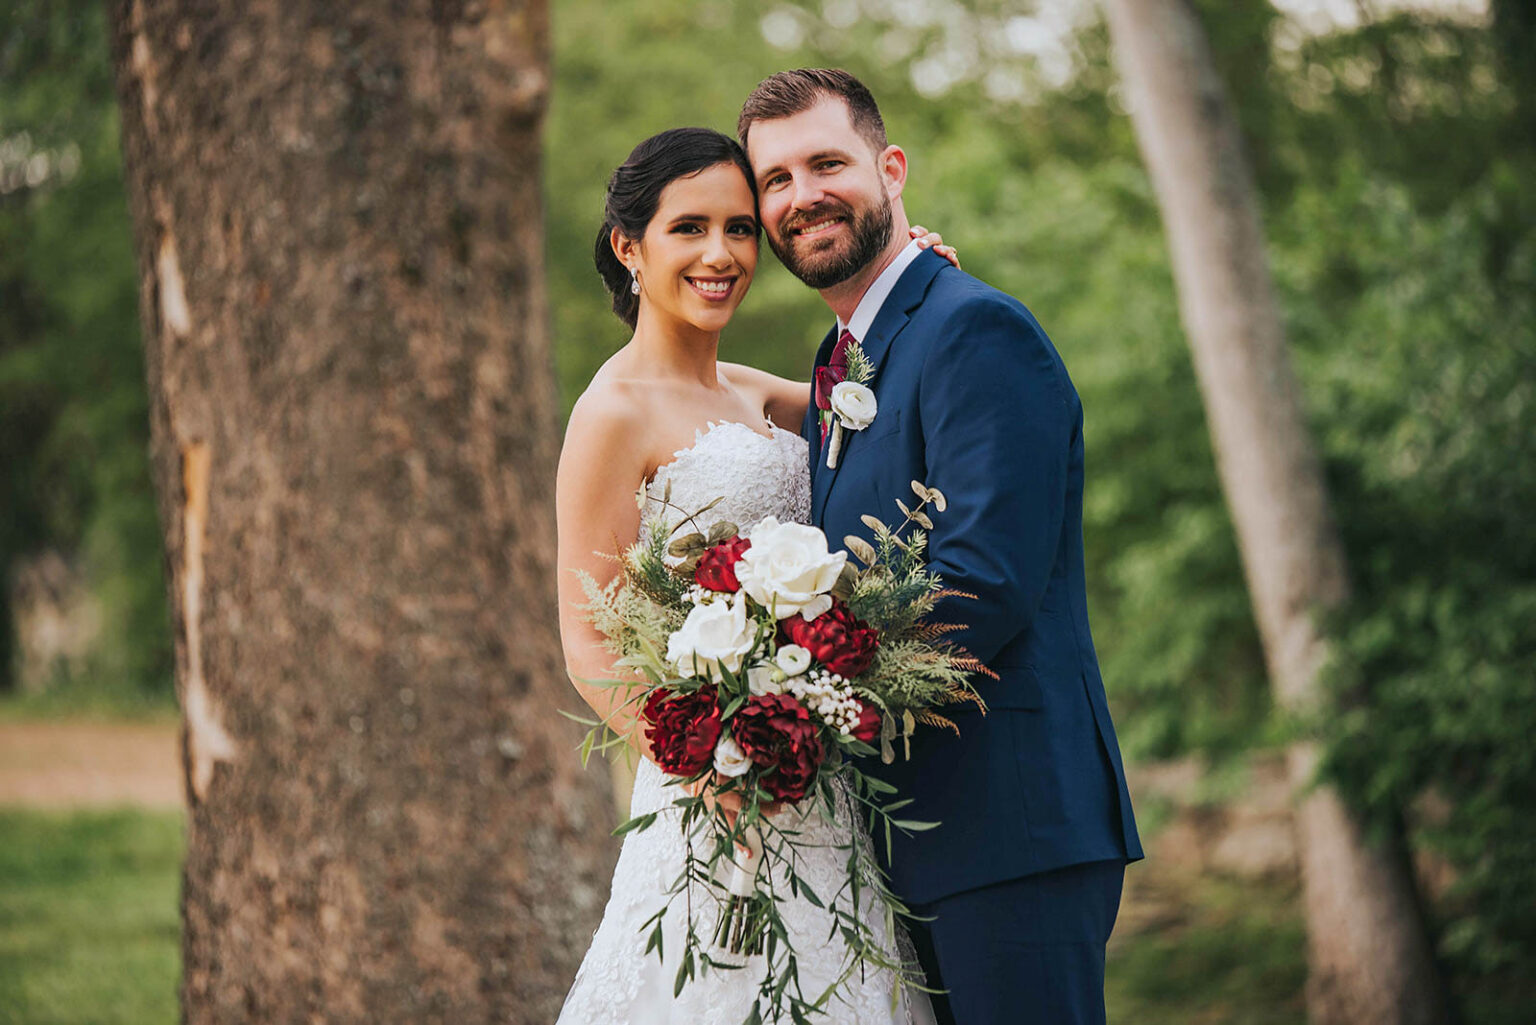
[893, 170]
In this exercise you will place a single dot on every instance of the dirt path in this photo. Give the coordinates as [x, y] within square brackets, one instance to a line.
[75, 764]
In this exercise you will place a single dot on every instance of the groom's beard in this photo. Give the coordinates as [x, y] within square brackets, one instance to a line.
[822, 266]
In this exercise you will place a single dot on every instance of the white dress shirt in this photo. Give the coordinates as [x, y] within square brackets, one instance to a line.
[874, 298]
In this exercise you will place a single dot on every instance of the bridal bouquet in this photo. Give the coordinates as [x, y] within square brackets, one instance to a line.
[764, 661]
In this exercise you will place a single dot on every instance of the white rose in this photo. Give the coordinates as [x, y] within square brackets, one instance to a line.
[730, 759]
[765, 679]
[854, 405]
[715, 634]
[788, 568]
[793, 659]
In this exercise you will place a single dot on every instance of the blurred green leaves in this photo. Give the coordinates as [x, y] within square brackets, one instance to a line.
[74, 469]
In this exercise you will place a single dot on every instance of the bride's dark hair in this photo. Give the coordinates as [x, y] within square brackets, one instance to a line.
[634, 193]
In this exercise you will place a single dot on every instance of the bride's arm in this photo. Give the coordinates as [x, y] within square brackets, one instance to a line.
[602, 463]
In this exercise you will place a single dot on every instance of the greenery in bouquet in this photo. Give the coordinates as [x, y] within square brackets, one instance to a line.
[762, 668]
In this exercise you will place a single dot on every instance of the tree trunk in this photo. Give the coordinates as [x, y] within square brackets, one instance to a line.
[1369, 957]
[354, 427]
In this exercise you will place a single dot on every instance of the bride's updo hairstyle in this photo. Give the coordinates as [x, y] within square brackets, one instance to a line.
[634, 193]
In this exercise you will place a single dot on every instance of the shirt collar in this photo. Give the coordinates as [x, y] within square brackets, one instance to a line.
[879, 290]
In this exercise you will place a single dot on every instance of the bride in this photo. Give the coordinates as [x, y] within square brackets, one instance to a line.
[677, 252]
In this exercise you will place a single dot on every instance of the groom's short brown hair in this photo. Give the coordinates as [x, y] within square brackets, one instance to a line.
[793, 92]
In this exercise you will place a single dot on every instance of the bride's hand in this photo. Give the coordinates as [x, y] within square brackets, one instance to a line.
[931, 239]
[729, 804]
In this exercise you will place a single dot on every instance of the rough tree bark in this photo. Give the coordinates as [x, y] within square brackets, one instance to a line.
[339, 229]
[1369, 957]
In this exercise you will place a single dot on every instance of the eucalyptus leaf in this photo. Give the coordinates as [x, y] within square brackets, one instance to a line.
[687, 544]
[847, 580]
[860, 549]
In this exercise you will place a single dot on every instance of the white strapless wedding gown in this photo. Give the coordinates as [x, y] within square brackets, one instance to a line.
[619, 983]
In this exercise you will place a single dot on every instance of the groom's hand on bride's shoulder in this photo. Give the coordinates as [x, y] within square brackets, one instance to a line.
[933, 240]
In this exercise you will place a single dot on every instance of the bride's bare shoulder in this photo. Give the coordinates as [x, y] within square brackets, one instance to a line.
[779, 397]
[610, 413]
[743, 376]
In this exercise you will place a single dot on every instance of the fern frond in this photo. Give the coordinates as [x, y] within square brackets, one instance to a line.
[964, 695]
[934, 719]
[974, 665]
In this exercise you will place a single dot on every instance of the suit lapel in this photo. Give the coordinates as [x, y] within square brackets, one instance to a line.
[889, 322]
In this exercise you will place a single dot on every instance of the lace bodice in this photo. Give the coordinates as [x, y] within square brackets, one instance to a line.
[754, 474]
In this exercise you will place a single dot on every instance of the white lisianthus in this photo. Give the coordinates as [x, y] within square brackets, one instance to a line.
[793, 659]
[715, 634]
[854, 405]
[730, 759]
[765, 679]
[788, 568]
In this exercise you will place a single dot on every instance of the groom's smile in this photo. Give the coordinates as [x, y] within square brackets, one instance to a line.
[818, 228]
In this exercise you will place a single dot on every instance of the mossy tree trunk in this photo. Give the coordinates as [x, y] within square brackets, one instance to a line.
[354, 433]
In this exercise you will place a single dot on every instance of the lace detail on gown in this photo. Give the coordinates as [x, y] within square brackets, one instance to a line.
[619, 984]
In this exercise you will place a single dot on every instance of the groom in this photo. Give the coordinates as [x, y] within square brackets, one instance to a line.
[1022, 878]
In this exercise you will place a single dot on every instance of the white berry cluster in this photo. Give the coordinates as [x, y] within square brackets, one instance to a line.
[829, 696]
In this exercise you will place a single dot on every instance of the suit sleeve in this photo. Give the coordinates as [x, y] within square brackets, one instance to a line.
[998, 418]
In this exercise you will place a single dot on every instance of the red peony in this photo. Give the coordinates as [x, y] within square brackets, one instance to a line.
[777, 733]
[836, 639]
[716, 571]
[683, 729]
[868, 726]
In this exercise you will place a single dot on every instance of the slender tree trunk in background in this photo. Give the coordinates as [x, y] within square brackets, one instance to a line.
[1369, 956]
[354, 435]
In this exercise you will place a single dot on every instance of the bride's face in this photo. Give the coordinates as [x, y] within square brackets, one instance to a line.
[699, 251]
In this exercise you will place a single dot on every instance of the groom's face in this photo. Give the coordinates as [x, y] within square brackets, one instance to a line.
[825, 205]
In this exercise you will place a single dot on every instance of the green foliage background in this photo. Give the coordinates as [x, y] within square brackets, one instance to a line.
[1395, 161]
[74, 466]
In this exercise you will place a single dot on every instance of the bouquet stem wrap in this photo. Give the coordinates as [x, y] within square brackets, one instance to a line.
[740, 929]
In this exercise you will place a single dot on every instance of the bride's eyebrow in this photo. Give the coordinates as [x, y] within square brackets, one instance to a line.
[705, 219]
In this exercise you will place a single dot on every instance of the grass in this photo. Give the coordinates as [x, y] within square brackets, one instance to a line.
[67, 704]
[89, 934]
[89, 920]
[1207, 951]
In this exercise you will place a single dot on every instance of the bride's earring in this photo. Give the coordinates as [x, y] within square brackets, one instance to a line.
[634, 281]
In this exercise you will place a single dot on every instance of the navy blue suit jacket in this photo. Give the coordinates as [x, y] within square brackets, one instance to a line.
[974, 400]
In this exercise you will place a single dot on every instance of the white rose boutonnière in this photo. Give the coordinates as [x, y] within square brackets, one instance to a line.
[853, 403]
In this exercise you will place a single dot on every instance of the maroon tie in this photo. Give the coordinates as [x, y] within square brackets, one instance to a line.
[834, 373]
